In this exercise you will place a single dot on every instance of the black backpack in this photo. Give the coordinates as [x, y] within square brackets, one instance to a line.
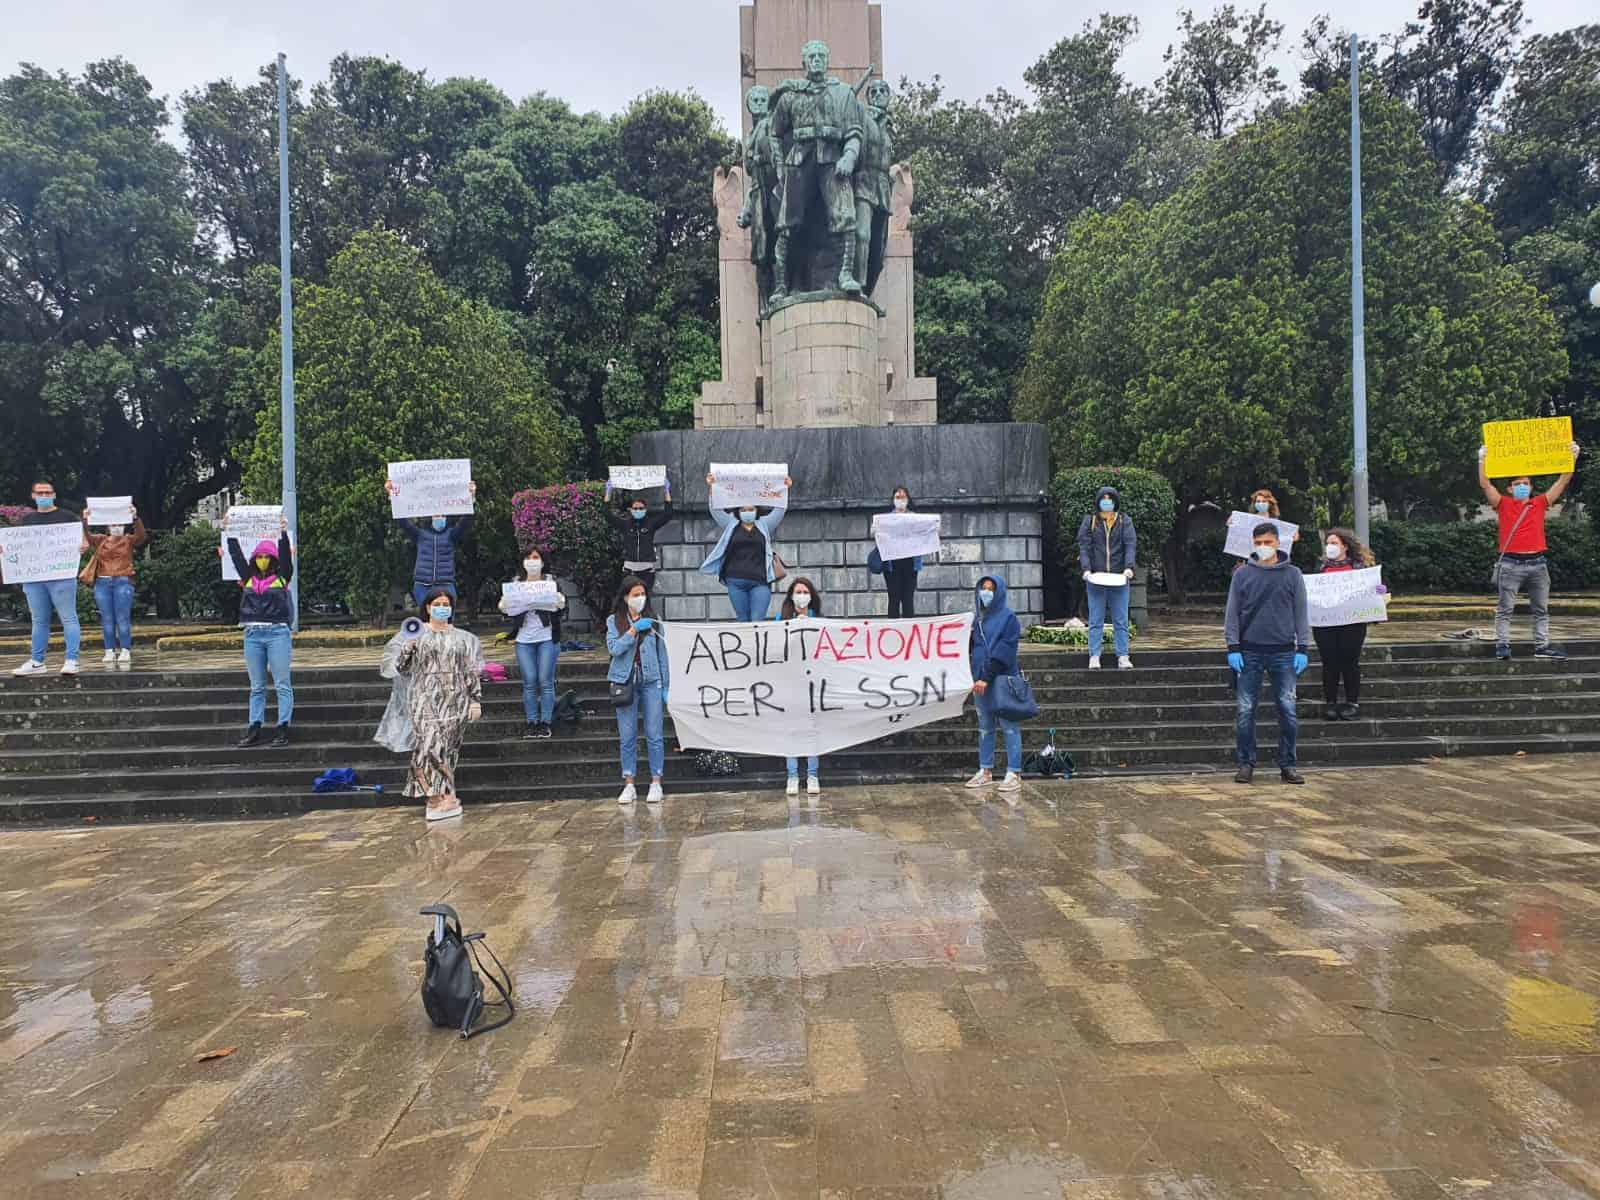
[451, 990]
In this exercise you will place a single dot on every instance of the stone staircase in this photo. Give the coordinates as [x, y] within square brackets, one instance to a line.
[140, 744]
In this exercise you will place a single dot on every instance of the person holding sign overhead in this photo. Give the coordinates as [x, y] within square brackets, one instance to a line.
[1107, 546]
[1339, 646]
[436, 544]
[996, 635]
[266, 614]
[1521, 563]
[743, 557]
[113, 583]
[537, 637]
[638, 527]
[58, 596]
[1264, 504]
[803, 602]
[639, 679]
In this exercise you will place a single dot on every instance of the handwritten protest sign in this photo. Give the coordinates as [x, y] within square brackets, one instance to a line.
[761, 484]
[637, 479]
[39, 553]
[813, 686]
[1242, 525]
[906, 535]
[1345, 597]
[541, 595]
[250, 524]
[428, 487]
[1542, 446]
[110, 510]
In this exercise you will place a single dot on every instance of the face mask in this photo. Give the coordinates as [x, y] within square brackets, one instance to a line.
[986, 598]
[900, 503]
[1333, 550]
[440, 613]
[1107, 504]
[118, 530]
[802, 600]
[533, 565]
[45, 502]
[639, 514]
[1522, 491]
[748, 516]
[1262, 506]
[438, 524]
[1267, 553]
[263, 563]
[636, 604]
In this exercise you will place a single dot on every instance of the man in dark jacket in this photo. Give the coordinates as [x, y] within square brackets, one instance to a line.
[436, 544]
[1268, 630]
[1107, 545]
[58, 596]
[638, 527]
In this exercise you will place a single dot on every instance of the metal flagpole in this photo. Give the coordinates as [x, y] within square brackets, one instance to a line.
[1358, 313]
[286, 316]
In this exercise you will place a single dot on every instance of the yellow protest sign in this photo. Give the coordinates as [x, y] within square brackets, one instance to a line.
[1542, 446]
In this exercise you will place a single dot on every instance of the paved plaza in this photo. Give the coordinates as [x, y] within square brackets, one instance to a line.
[1380, 985]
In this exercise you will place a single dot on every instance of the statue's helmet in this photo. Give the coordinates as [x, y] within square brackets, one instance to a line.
[879, 93]
[757, 95]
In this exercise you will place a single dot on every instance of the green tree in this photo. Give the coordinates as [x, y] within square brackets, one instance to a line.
[1219, 76]
[392, 365]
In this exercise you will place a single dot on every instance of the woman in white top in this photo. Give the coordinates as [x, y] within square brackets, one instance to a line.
[537, 635]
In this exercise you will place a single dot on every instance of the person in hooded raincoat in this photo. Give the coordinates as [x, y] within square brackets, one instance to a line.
[996, 635]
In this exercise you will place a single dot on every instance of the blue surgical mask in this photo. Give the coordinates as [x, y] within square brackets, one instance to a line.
[440, 613]
[986, 598]
[1107, 504]
[1522, 491]
[1263, 506]
[747, 515]
[639, 514]
[45, 502]
[438, 524]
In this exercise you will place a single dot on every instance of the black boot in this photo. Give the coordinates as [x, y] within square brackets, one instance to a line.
[1332, 713]
[281, 737]
[1290, 775]
[1245, 773]
[1349, 712]
[251, 735]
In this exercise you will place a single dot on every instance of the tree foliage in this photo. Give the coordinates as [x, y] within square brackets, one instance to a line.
[1219, 76]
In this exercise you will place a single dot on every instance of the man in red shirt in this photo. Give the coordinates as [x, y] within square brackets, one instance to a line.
[1522, 550]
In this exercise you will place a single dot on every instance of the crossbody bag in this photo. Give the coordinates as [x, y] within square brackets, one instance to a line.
[1494, 575]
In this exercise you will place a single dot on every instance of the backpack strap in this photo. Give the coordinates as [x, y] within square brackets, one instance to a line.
[502, 984]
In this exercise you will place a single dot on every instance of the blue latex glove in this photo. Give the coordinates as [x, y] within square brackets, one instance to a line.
[642, 625]
[1236, 661]
[1301, 662]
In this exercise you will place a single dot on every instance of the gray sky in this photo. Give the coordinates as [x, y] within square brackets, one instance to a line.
[599, 54]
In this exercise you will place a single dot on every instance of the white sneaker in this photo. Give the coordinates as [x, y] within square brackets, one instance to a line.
[110, 656]
[70, 667]
[1124, 663]
[1094, 662]
[981, 779]
[629, 795]
[443, 814]
[792, 788]
[813, 786]
[653, 796]
[1011, 783]
[30, 668]
[125, 657]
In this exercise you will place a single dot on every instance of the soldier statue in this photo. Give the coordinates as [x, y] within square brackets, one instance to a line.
[760, 210]
[817, 126]
[873, 186]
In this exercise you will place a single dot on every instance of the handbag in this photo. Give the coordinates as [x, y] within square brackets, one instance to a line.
[622, 694]
[452, 993]
[779, 567]
[91, 571]
[1013, 698]
[1494, 573]
[874, 561]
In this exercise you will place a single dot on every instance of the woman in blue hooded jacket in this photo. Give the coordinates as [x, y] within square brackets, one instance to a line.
[996, 634]
[742, 557]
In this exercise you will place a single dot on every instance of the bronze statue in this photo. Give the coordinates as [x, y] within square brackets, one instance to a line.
[816, 126]
[873, 186]
[760, 210]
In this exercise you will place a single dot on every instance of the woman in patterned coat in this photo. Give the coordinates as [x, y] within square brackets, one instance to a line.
[444, 666]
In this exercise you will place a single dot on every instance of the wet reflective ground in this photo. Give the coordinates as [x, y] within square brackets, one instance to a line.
[1382, 984]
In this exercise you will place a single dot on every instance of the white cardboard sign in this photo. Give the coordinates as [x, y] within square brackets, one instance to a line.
[1345, 597]
[637, 479]
[110, 510]
[249, 523]
[1240, 526]
[760, 484]
[428, 487]
[541, 595]
[906, 535]
[40, 553]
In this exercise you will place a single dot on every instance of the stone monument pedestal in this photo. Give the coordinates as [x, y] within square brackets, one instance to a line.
[825, 364]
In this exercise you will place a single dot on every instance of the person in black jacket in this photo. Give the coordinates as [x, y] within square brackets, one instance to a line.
[266, 614]
[58, 596]
[638, 527]
[1107, 545]
[537, 637]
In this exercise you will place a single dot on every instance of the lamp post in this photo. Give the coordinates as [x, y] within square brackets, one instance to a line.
[286, 318]
[1358, 313]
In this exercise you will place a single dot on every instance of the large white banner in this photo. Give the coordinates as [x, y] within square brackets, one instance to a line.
[906, 535]
[637, 479]
[813, 686]
[250, 524]
[430, 487]
[761, 484]
[1241, 528]
[1346, 597]
[110, 510]
[521, 596]
[40, 553]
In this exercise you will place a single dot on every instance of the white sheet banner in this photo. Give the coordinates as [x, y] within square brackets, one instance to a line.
[250, 523]
[761, 484]
[1345, 597]
[538, 594]
[110, 510]
[1241, 527]
[39, 553]
[430, 487]
[637, 479]
[813, 686]
[906, 535]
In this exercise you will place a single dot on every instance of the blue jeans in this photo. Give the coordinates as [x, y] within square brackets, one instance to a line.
[794, 767]
[62, 596]
[750, 599]
[537, 663]
[113, 595]
[267, 648]
[1102, 598]
[1279, 668]
[986, 723]
[649, 696]
[419, 592]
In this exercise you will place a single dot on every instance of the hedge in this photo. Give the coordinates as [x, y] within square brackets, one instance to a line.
[1147, 498]
[1071, 636]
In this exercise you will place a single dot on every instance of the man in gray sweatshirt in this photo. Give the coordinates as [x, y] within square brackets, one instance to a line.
[1268, 630]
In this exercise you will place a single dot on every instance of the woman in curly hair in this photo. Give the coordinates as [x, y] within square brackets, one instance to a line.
[1339, 646]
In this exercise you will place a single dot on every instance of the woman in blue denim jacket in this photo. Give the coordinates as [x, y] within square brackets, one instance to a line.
[742, 557]
[638, 653]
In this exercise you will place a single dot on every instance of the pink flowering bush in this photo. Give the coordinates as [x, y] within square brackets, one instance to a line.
[12, 514]
[568, 523]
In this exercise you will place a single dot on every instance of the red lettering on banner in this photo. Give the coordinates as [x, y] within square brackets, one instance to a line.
[949, 644]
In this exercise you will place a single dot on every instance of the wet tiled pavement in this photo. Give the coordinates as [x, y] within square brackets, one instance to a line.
[1380, 985]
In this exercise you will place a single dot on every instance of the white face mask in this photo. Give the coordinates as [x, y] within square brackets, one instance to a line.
[1267, 553]
[1333, 550]
[900, 503]
[636, 604]
[117, 530]
[533, 565]
[802, 600]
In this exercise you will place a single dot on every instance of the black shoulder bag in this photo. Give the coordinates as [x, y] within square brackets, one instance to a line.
[452, 993]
